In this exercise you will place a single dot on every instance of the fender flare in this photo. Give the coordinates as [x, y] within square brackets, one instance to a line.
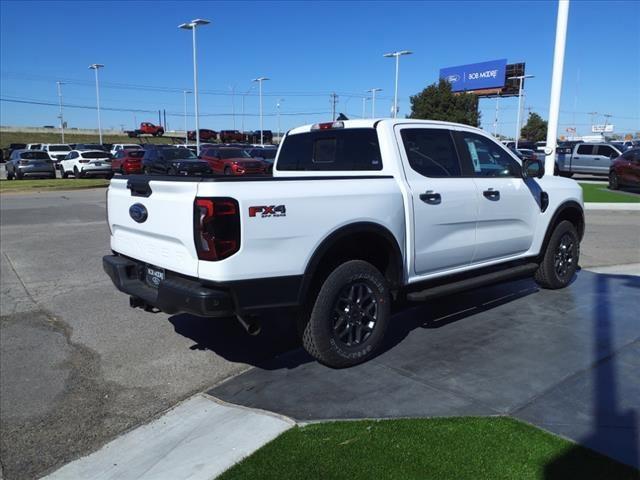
[563, 207]
[344, 232]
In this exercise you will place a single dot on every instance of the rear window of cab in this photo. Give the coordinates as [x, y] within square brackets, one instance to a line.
[331, 150]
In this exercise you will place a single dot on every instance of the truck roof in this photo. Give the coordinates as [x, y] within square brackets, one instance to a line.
[373, 122]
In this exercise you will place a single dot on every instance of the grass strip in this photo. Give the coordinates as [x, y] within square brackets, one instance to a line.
[17, 186]
[438, 448]
[600, 193]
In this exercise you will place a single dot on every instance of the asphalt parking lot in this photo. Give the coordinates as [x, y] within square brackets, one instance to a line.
[78, 366]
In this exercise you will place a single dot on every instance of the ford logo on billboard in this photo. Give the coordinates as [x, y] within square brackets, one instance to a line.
[138, 212]
[453, 78]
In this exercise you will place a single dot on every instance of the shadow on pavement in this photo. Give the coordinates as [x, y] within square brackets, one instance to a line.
[615, 429]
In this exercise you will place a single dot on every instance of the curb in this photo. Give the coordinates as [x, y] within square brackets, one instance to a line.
[611, 206]
[198, 439]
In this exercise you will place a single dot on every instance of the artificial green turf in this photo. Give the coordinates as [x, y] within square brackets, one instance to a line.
[440, 449]
[596, 192]
[50, 184]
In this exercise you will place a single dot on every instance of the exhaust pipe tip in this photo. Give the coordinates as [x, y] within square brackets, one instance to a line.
[252, 326]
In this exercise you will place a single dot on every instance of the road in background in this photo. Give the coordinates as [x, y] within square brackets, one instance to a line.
[78, 366]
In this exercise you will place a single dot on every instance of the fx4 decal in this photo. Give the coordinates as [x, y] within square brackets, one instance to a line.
[265, 211]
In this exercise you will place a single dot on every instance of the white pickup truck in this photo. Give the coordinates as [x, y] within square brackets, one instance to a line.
[357, 214]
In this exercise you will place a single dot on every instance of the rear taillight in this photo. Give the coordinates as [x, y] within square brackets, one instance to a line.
[216, 228]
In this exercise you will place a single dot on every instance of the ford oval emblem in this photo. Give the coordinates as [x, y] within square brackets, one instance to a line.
[453, 78]
[138, 212]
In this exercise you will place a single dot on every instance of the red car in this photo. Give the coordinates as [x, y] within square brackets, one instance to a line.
[128, 161]
[232, 161]
[625, 170]
[205, 135]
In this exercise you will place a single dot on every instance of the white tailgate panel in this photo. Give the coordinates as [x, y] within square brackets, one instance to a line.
[165, 239]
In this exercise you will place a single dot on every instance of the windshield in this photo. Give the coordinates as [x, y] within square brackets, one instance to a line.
[178, 154]
[136, 153]
[94, 155]
[59, 148]
[233, 153]
[35, 155]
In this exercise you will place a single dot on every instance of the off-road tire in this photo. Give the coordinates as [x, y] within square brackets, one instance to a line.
[548, 275]
[319, 337]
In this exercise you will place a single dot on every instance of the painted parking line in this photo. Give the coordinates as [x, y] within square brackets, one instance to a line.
[199, 439]
[627, 269]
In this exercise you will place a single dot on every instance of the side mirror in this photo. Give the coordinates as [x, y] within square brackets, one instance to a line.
[532, 169]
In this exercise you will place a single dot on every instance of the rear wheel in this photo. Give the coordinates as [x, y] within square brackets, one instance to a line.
[349, 317]
[227, 170]
[614, 182]
[10, 176]
[76, 172]
[63, 173]
[560, 260]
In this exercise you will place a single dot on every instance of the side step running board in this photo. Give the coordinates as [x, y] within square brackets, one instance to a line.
[473, 282]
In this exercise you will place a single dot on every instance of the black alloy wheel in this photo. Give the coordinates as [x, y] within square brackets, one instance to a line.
[564, 257]
[355, 313]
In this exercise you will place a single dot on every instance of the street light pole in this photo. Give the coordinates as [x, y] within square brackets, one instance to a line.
[60, 104]
[260, 80]
[95, 67]
[244, 95]
[192, 25]
[521, 78]
[233, 104]
[373, 100]
[278, 110]
[186, 135]
[397, 55]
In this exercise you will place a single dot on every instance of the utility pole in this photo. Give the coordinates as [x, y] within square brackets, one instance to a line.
[60, 116]
[593, 117]
[364, 106]
[278, 109]
[334, 101]
[606, 119]
[521, 78]
[186, 135]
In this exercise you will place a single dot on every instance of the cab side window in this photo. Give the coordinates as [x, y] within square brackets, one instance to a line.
[488, 159]
[606, 151]
[585, 149]
[431, 152]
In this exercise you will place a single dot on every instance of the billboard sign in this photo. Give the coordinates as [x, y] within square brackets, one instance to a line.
[476, 76]
[602, 128]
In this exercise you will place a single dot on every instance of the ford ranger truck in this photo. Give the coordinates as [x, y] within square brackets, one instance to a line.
[358, 214]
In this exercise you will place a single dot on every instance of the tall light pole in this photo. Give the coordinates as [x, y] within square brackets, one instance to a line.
[186, 135]
[373, 100]
[59, 84]
[244, 95]
[278, 110]
[95, 67]
[364, 106]
[521, 78]
[233, 104]
[260, 80]
[192, 25]
[397, 55]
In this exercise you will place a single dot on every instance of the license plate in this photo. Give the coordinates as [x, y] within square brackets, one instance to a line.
[153, 276]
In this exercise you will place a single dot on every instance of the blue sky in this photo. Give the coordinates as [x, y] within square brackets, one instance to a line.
[308, 50]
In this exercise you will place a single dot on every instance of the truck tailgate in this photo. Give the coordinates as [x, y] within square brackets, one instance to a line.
[165, 238]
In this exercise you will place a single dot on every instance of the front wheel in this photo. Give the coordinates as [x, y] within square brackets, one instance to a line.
[560, 260]
[614, 183]
[349, 317]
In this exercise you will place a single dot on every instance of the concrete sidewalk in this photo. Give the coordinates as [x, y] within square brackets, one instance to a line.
[199, 439]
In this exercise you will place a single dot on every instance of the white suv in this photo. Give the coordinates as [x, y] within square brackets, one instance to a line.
[83, 163]
[56, 151]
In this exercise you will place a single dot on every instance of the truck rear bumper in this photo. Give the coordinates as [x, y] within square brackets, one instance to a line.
[175, 294]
